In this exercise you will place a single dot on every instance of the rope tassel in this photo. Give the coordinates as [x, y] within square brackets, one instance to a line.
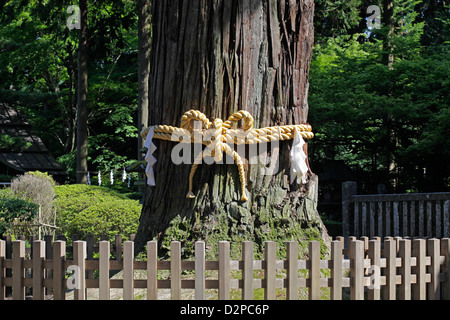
[223, 135]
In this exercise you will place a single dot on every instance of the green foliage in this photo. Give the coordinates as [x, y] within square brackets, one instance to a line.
[44, 176]
[13, 209]
[84, 209]
[335, 18]
[38, 69]
[107, 218]
[13, 144]
[368, 114]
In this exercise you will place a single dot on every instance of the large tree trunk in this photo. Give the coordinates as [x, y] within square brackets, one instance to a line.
[144, 67]
[82, 112]
[388, 60]
[219, 57]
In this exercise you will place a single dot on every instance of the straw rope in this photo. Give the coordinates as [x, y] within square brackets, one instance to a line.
[218, 135]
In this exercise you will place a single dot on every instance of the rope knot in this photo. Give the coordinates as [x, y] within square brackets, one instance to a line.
[217, 141]
[218, 134]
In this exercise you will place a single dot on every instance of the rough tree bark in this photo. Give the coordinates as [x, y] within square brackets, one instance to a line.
[82, 112]
[219, 57]
[144, 35]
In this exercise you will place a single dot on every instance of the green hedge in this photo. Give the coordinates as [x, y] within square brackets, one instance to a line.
[84, 209]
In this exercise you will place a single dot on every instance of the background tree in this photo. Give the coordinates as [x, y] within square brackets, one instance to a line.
[82, 107]
[220, 57]
[398, 106]
[38, 71]
[144, 34]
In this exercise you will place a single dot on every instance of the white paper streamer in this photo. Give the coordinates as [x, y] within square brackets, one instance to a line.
[151, 160]
[99, 178]
[297, 156]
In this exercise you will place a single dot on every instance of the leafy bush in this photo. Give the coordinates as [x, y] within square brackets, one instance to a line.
[14, 209]
[14, 144]
[84, 209]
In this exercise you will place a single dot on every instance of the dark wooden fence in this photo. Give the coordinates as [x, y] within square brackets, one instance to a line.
[423, 215]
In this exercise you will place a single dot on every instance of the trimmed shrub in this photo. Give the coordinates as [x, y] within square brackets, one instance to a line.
[84, 209]
[107, 218]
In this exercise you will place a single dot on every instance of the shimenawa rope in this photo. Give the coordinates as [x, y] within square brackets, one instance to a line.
[218, 135]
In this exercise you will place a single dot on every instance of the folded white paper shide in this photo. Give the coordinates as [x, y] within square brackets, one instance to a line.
[151, 160]
[297, 156]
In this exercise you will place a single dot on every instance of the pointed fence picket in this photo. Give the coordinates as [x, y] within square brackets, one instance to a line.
[390, 268]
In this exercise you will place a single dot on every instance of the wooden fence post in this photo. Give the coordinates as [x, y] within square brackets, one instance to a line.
[152, 270]
[421, 218]
[396, 219]
[292, 270]
[433, 290]
[438, 218]
[103, 270]
[38, 269]
[90, 253]
[8, 271]
[445, 251]
[349, 188]
[372, 219]
[270, 272]
[375, 256]
[336, 270]
[446, 218]
[224, 270]
[18, 270]
[405, 269]
[412, 219]
[419, 251]
[128, 270]
[356, 216]
[356, 256]
[118, 246]
[59, 283]
[247, 270]
[390, 253]
[175, 270]
[200, 270]
[363, 219]
[429, 219]
[380, 219]
[2, 270]
[79, 257]
[314, 270]
[405, 219]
